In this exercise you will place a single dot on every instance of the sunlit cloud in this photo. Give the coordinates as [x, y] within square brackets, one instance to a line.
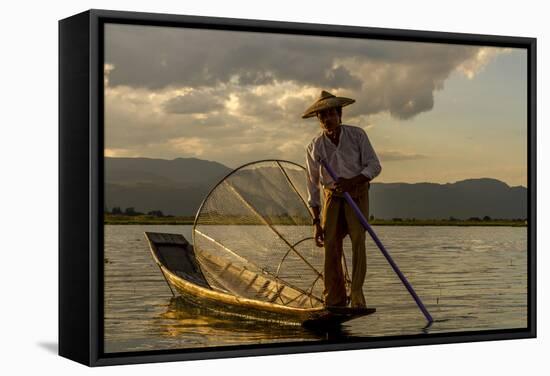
[195, 102]
[471, 67]
[189, 146]
[392, 155]
[126, 153]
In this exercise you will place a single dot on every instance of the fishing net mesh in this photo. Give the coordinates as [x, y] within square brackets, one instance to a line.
[253, 236]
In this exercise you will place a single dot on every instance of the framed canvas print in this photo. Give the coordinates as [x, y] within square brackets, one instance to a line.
[234, 187]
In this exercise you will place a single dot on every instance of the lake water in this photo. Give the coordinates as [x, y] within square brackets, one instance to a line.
[469, 278]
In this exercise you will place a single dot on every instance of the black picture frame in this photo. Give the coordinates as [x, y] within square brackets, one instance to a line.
[81, 185]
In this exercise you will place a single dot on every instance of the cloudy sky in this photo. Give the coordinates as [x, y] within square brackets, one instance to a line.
[433, 112]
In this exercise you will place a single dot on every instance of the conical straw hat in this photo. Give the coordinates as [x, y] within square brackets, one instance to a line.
[326, 100]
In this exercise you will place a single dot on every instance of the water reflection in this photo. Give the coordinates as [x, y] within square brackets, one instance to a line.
[185, 317]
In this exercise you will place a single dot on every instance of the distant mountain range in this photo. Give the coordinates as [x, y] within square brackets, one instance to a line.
[175, 187]
[463, 199]
[178, 186]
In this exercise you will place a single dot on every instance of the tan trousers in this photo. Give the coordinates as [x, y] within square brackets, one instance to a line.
[339, 220]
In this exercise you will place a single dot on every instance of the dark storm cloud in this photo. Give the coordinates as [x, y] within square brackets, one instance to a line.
[154, 58]
[402, 98]
[401, 79]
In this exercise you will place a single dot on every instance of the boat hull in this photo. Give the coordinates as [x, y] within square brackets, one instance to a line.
[176, 260]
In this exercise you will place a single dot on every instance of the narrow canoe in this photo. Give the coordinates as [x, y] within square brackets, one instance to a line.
[176, 259]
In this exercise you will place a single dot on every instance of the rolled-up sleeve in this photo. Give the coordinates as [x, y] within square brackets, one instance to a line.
[369, 159]
[312, 167]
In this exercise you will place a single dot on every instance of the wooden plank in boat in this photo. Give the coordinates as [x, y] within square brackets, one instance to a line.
[177, 255]
[165, 238]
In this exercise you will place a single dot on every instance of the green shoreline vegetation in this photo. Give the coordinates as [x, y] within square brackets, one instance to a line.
[155, 219]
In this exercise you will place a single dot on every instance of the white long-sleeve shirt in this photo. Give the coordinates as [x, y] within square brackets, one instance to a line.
[354, 155]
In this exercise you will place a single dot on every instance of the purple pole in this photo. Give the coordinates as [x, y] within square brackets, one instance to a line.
[369, 229]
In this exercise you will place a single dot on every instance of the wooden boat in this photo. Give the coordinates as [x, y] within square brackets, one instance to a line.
[176, 259]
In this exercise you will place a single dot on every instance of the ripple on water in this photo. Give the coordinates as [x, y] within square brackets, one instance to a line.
[469, 278]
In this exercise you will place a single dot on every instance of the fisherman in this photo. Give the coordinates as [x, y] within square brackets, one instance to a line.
[348, 151]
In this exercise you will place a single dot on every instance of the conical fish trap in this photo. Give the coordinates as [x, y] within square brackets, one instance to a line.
[253, 236]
